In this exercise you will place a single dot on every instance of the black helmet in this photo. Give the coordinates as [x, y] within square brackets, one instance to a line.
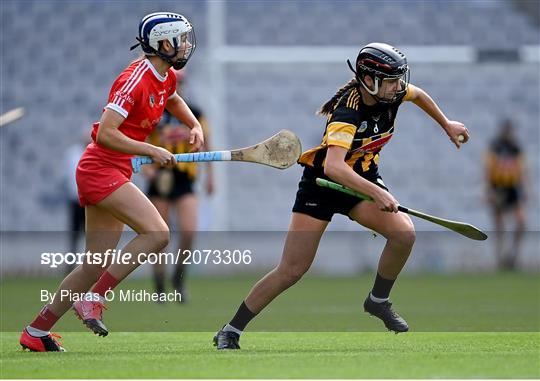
[381, 61]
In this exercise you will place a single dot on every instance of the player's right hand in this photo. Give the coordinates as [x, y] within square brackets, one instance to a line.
[163, 157]
[385, 201]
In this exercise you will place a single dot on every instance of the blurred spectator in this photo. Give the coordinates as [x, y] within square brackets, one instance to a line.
[75, 211]
[171, 189]
[506, 191]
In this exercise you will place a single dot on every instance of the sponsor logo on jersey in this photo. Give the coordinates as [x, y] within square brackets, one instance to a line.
[374, 145]
[363, 126]
[147, 123]
[125, 96]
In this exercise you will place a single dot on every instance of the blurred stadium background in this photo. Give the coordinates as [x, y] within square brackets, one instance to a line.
[261, 66]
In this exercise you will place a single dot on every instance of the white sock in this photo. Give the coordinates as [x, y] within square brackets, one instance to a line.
[230, 328]
[36, 332]
[377, 300]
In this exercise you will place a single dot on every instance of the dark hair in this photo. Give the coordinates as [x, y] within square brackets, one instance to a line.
[328, 107]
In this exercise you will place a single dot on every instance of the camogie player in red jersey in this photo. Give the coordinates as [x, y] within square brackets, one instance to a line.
[137, 100]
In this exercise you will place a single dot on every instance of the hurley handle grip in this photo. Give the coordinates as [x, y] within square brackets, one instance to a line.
[344, 189]
[136, 162]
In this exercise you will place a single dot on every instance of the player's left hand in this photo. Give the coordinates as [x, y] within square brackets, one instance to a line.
[196, 138]
[457, 132]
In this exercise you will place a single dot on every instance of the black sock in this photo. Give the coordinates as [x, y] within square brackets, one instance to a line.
[382, 287]
[159, 282]
[178, 277]
[242, 318]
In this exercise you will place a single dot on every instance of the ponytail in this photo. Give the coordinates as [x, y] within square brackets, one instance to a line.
[328, 107]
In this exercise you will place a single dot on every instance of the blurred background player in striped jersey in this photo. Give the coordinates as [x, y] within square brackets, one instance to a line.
[506, 191]
[171, 190]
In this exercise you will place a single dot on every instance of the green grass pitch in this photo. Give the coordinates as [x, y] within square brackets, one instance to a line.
[464, 326]
[281, 355]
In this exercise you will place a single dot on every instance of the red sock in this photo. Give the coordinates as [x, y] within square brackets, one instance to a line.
[45, 319]
[105, 283]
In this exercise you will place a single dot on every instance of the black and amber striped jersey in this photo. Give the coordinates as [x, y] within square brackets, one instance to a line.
[173, 135]
[363, 130]
[504, 164]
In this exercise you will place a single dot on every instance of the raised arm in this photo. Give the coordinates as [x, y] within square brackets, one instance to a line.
[453, 129]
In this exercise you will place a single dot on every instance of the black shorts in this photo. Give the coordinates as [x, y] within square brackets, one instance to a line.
[322, 203]
[170, 184]
[506, 197]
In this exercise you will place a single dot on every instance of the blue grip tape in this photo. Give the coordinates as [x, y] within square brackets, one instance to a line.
[198, 156]
[136, 162]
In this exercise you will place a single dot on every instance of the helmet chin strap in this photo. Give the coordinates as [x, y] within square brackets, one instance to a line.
[371, 92]
[374, 91]
[177, 65]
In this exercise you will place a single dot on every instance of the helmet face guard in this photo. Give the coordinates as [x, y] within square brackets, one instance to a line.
[378, 80]
[157, 27]
[382, 62]
[186, 44]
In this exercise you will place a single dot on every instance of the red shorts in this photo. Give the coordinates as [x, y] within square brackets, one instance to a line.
[100, 172]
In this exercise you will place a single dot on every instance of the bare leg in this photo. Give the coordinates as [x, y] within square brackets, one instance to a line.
[519, 214]
[499, 237]
[301, 245]
[300, 248]
[162, 206]
[398, 230]
[129, 205]
[104, 223]
[103, 232]
[186, 215]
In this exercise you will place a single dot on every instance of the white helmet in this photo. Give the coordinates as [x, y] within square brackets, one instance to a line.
[173, 27]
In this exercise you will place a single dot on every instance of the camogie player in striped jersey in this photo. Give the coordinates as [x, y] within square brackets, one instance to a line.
[506, 190]
[360, 121]
[137, 100]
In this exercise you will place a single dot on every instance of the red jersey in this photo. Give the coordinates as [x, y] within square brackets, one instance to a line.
[139, 94]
